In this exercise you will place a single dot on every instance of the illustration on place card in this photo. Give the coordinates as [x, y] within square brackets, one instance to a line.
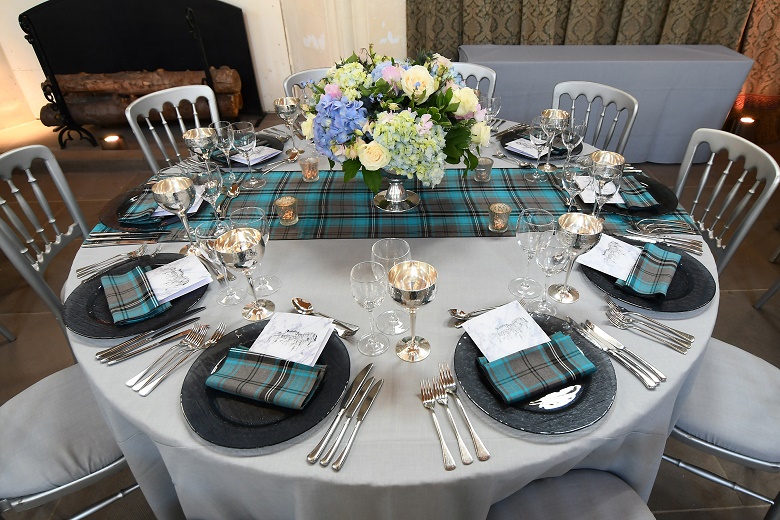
[524, 146]
[294, 337]
[261, 153]
[505, 330]
[177, 278]
[611, 256]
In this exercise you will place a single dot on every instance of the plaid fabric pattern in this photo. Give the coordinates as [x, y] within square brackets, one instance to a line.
[330, 208]
[267, 378]
[538, 370]
[130, 297]
[140, 212]
[635, 195]
[652, 273]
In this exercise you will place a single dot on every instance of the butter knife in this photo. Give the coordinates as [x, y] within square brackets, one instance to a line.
[351, 409]
[349, 397]
[364, 408]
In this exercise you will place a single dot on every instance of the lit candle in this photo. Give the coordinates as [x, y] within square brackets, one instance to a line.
[499, 217]
[310, 168]
[286, 208]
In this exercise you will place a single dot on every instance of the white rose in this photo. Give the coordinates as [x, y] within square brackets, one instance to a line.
[373, 156]
[480, 134]
[467, 99]
[307, 127]
[418, 83]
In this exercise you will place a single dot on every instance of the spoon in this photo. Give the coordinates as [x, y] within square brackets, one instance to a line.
[305, 307]
[230, 194]
[521, 164]
[292, 156]
[463, 315]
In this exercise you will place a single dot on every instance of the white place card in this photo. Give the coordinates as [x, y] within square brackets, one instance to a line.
[505, 330]
[524, 147]
[178, 278]
[611, 256]
[588, 194]
[294, 337]
[260, 154]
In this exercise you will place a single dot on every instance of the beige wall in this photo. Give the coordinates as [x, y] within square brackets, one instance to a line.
[13, 106]
[285, 36]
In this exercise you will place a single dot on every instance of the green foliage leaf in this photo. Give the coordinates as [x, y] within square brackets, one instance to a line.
[351, 168]
[373, 179]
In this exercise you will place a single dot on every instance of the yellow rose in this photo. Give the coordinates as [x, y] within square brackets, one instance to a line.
[467, 100]
[480, 134]
[373, 156]
[418, 83]
[307, 127]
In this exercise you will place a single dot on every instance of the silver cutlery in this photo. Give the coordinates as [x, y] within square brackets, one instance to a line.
[476, 313]
[451, 387]
[140, 339]
[429, 402]
[113, 360]
[512, 128]
[361, 415]
[668, 238]
[349, 396]
[675, 345]
[116, 258]
[306, 307]
[441, 397]
[627, 320]
[627, 314]
[519, 163]
[602, 335]
[196, 335]
[231, 194]
[650, 225]
[350, 412]
[641, 238]
[292, 156]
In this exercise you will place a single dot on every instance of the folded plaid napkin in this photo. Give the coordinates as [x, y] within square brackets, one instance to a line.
[652, 273]
[538, 370]
[267, 378]
[140, 211]
[635, 195]
[130, 297]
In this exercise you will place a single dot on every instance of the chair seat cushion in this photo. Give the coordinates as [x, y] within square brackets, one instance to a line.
[734, 403]
[51, 434]
[580, 494]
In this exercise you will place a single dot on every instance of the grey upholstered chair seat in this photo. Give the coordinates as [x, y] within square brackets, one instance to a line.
[579, 494]
[733, 389]
[42, 424]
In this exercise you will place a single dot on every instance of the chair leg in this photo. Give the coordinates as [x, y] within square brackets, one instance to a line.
[7, 333]
[768, 294]
[775, 255]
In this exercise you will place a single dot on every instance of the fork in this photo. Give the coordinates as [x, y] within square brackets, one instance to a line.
[619, 323]
[195, 348]
[429, 402]
[627, 314]
[628, 320]
[86, 270]
[441, 397]
[448, 382]
[196, 335]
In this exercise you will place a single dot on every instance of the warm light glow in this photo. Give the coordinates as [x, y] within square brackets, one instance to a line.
[747, 120]
[111, 138]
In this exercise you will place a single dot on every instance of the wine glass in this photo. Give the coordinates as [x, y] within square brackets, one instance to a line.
[389, 252]
[538, 137]
[412, 284]
[572, 135]
[532, 228]
[552, 258]
[265, 285]
[556, 120]
[200, 141]
[580, 168]
[223, 137]
[369, 286]
[209, 178]
[244, 140]
[288, 108]
[607, 168]
[176, 194]
[579, 233]
[206, 234]
[492, 106]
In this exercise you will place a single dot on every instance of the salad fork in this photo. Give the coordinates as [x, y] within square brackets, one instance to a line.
[673, 344]
[441, 397]
[650, 322]
[451, 387]
[429, 402]
[195, 337]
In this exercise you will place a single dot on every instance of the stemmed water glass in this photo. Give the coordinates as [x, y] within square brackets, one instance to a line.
[492, 106]
[572, 135]
[200, 141]
[554, 122]
[607, 168]
[579, 233]
[209, 178]
[580, 168]
[412, 285]
[389, 252]
[176, 194]
[552, 258]
[288, 108]
[538, 137]
[223, 138]
[533, 228]
[206, 234]
[244, 140]
[369, 286]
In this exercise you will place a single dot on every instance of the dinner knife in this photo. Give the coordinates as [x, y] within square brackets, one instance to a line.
[351, 409]
[364, 408]
[349, 396]
[170, 328]
[679, 245]
[128, 355]
[601, 334]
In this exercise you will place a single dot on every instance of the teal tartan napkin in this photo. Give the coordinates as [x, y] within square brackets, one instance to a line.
[538, 370]
[635, 195]
[140, 211]
[652, 272]
[130, 297]
[267, 378]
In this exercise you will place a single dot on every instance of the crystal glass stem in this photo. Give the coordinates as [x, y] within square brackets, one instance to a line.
[186, 223]
[252, 287]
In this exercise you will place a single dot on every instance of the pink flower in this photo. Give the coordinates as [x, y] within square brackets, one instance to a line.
[333, 90]
[392, 75]
[425, 124]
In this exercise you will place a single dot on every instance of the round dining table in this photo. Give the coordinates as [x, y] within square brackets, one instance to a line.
[395, 469]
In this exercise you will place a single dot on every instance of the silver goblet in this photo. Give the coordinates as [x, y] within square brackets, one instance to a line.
[579, 232]
[201, 141]
[556, 121]
[412, 285]
[176, 194]
[607, 167]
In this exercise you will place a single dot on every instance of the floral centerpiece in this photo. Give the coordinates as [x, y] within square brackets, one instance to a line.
[373, 113]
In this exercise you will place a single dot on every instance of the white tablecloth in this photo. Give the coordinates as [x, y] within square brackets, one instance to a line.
[680, 88]
[395, 468]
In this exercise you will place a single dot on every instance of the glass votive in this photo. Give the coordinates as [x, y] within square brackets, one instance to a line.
[499, 217]
[482, 171]
[310, 168]
[287, 210]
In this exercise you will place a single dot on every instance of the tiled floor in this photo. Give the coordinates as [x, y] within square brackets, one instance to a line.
[96, 176]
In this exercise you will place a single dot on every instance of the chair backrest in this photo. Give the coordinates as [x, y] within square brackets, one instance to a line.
[484, 78]
[299, 79]
[154, 102]
[612, 101]
[726, 207]
[31, 236]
